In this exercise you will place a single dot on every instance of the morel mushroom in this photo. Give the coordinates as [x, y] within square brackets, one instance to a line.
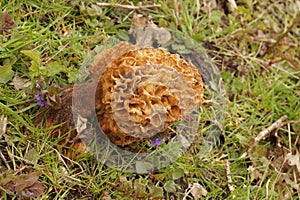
[142, 91]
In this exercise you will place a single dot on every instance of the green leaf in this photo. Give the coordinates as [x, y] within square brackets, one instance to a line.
[143, 167]
[6, 73]
[237, 84]
[177, 173]
[156, 192]
[54, 68]
[35, 68]
[216, 16]
[32, 155]
[226, 76]
[140, 187]
[170, 186]
[72, 75]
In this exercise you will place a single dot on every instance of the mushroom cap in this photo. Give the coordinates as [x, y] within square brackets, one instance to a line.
[142, 91]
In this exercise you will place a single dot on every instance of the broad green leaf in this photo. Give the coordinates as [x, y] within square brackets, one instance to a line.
[170, 186]
[6, 73]
[177, 173]
[54, 68]
[216, 16]
[35, 68]
[72, 75]
[227, 76]
[237, 84]
[143, 167]
[156, 192]
[33, 55]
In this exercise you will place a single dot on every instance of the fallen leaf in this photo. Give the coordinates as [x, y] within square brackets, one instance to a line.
[294, 160]
[198, 190]
[26, 180]
[37, 189]
[6, 23]
[20, 83]
[81, 124]
[105, 195]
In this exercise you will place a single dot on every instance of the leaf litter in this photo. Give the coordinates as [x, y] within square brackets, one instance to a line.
[24, 185]
[280, 158]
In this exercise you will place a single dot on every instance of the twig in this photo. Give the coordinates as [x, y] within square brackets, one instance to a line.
[263, 134]
[25, 160]
[3, 124]
[10, 155]
[231, 187]
[291, 122]
[5, 161]
[62, 160]
[128, 6]
[61, 156]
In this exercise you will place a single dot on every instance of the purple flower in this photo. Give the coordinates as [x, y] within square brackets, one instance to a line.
[41, 103]
[181, 127]
[29, 193]
[156, 142]
[38, 97]
[37, 86]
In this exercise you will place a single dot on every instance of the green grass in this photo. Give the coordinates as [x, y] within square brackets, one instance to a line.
[256, 48]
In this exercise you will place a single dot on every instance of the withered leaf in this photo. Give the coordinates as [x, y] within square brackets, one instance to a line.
[198, 190]
[6, 23]
[20, 83]
[294, 160]
[37, 189]
[26, 180]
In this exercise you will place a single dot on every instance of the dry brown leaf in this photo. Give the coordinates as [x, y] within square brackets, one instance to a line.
[26, 180]
[36, 189]
[294, 160]
[6, 23]
[197, 191]
[20, 83]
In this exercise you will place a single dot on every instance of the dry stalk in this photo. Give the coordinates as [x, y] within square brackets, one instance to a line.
[231, 187]
[263, 134]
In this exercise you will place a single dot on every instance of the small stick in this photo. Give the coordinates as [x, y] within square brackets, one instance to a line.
[62, 160]
[231, 187]
[3, 124]
[5, 161]
[263, 134]
[25, 160]
[128, 6]
[11, 156]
